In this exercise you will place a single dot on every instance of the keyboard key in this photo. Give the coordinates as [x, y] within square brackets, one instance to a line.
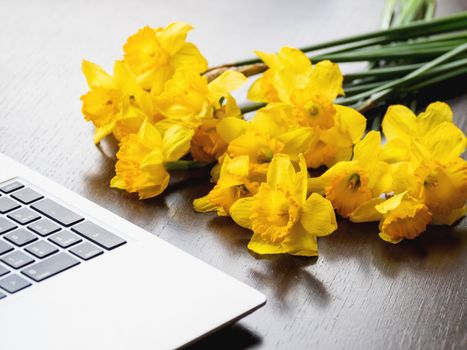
[20, 237]
[57, 212]
[13, 283]
[65, 239]
[6, 225]
[41, 249]
[50, 266]
[27, 195]
[98, 235]
[3, 271]
[17, 259]
[11, 187]
[8, 204]
[5, 247]
[24, 216]
[44, 227]
[86, 251]
[2, 295]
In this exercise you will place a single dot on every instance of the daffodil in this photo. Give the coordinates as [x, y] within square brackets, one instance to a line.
[432, 135]
[142, 157]
[189, 99]
[424, 152]
[111, 101]
[441, 186]
[154, 54]
[271, 131]
[235, 182]
[350, 184]
[311, 90]
[282, 218]
[401, 216]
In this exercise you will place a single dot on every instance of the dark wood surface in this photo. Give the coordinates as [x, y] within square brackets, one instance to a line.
[361, 293]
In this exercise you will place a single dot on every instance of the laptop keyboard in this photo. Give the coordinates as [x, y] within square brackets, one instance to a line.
[40, 238]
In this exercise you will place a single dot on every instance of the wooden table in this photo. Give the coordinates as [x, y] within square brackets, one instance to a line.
[361, 293]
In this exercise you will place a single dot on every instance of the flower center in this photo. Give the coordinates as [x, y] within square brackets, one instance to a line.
[274, 213]
[318, 113]
[444, 186]
[347, 192]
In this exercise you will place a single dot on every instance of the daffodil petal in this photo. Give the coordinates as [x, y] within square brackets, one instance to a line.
[95, 75]
[190, 57]
[241, 211]
[300, 242]
[176, 142]
[103, 131]
[367, 149]
[281, 172]
[230, 128]
[297, 141]
[227, 82]
[204, 205]
[117, 182]
[149, 135]
[351, 121]
[367, 211]
[435, 113]
[326, 78]
[389, 239]
[318, 217]
[173, 36]
[399, 122]
[391, 203]
[445, 141]
[317, 184]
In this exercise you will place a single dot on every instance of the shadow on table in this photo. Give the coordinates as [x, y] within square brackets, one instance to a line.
[281, 274]
[234, 337]
[434, 251]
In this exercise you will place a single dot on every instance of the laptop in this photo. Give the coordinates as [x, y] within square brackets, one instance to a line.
[73, 275]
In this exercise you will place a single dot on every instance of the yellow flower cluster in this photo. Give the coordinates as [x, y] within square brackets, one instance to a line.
[159, 106]
[162, 108]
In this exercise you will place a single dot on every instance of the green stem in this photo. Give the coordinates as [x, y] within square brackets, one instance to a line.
[251, 107]
[390, 72]
[383, 72]
[442, 77]
[380, 92]
[414, 30]
[184, 165]
[384, 54]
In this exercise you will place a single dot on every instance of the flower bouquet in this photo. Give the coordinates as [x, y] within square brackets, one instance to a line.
[170, 111]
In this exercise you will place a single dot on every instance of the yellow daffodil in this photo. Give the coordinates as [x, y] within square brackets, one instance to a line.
[269, 132]
[311, 90]
[350, 184]
[424, 152]
[401, 216]
[154, 54]
[282, 218]
[207, 145]
[142, 156]
[291, 75]
[188, 98]
[111, 102]
[441, 186]
[431, 135]
[235, 181]
[335, 144]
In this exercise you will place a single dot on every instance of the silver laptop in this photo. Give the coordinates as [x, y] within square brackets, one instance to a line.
[75, 276]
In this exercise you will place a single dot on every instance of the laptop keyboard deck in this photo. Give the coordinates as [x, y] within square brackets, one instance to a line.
[40, 238]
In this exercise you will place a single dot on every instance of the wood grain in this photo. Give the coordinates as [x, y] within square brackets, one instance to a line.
[361, 293]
